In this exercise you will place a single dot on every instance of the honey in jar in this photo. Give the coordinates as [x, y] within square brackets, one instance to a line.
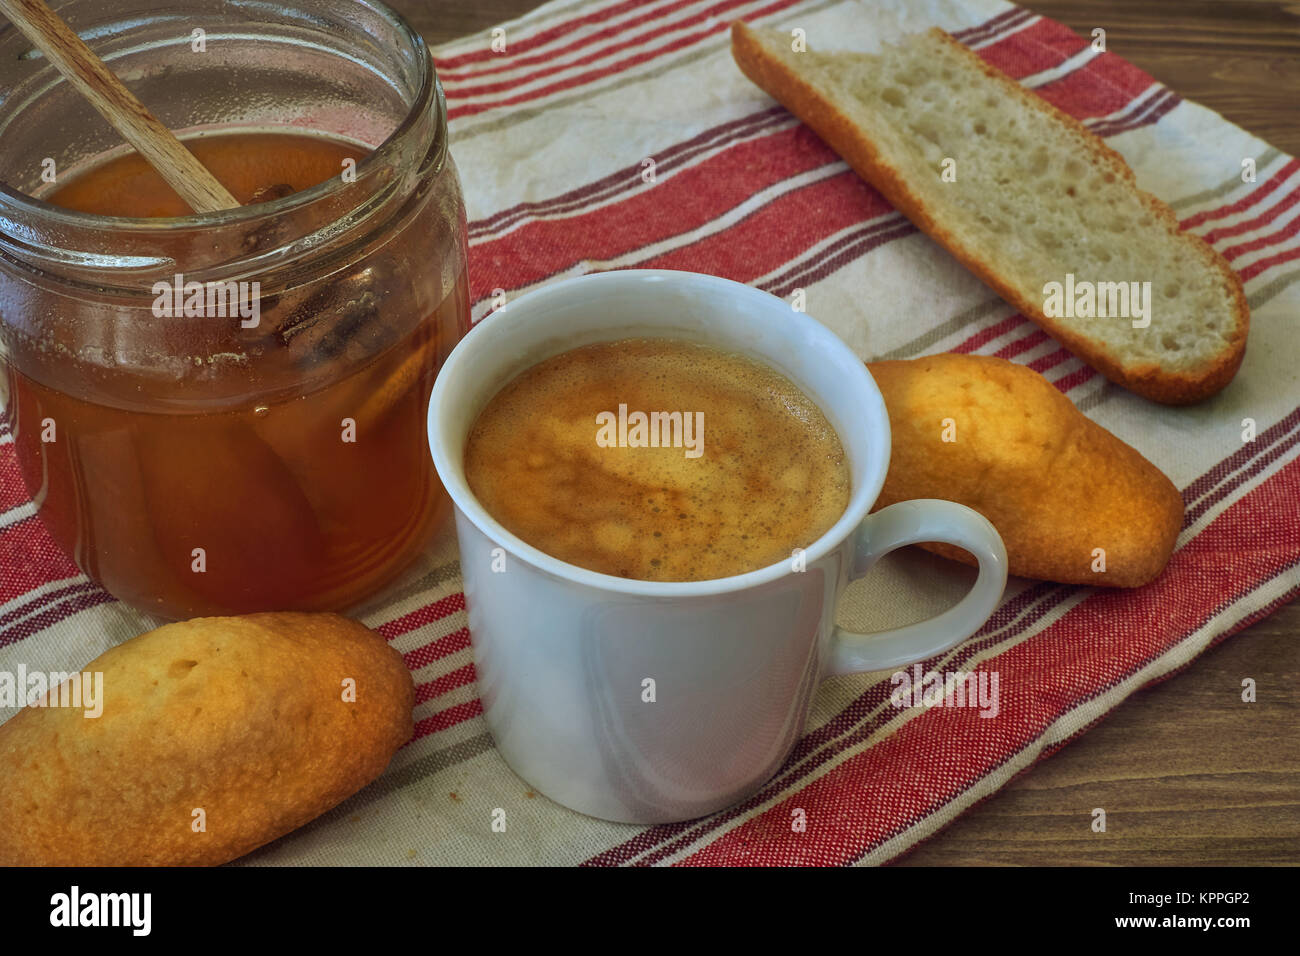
[290, 474]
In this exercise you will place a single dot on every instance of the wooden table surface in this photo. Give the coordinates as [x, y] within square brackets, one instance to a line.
[1187, 773]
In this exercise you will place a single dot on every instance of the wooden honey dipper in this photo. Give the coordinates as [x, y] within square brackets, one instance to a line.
[79, 65]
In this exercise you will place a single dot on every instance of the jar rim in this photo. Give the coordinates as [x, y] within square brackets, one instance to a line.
[429, 94]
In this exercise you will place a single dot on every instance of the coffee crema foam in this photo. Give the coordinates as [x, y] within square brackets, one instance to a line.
[772, 476]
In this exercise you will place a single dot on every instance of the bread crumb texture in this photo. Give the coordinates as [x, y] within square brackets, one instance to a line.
[1036, 196]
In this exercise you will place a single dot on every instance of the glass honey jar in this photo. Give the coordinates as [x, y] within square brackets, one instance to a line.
[225, 412]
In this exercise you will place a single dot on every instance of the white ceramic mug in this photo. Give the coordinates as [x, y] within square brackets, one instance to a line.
[565, 656]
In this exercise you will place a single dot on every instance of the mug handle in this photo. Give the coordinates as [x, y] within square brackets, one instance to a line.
[915, 522]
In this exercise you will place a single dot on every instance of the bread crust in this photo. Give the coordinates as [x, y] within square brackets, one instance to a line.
[999, 438]
[1172, 388]
[244, 718]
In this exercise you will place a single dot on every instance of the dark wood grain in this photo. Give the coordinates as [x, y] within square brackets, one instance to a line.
[1240, 58]
[1187, 773]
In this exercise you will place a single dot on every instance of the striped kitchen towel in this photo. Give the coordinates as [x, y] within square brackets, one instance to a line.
[603, 135]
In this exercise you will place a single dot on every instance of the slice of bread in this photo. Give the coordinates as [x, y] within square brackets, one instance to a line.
[1037, 197]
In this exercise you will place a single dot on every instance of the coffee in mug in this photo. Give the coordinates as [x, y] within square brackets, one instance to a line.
[658, 460]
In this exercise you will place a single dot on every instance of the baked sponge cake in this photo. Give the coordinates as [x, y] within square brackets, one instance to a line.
[207, 739]
[1031, 196]
[1072, 502]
